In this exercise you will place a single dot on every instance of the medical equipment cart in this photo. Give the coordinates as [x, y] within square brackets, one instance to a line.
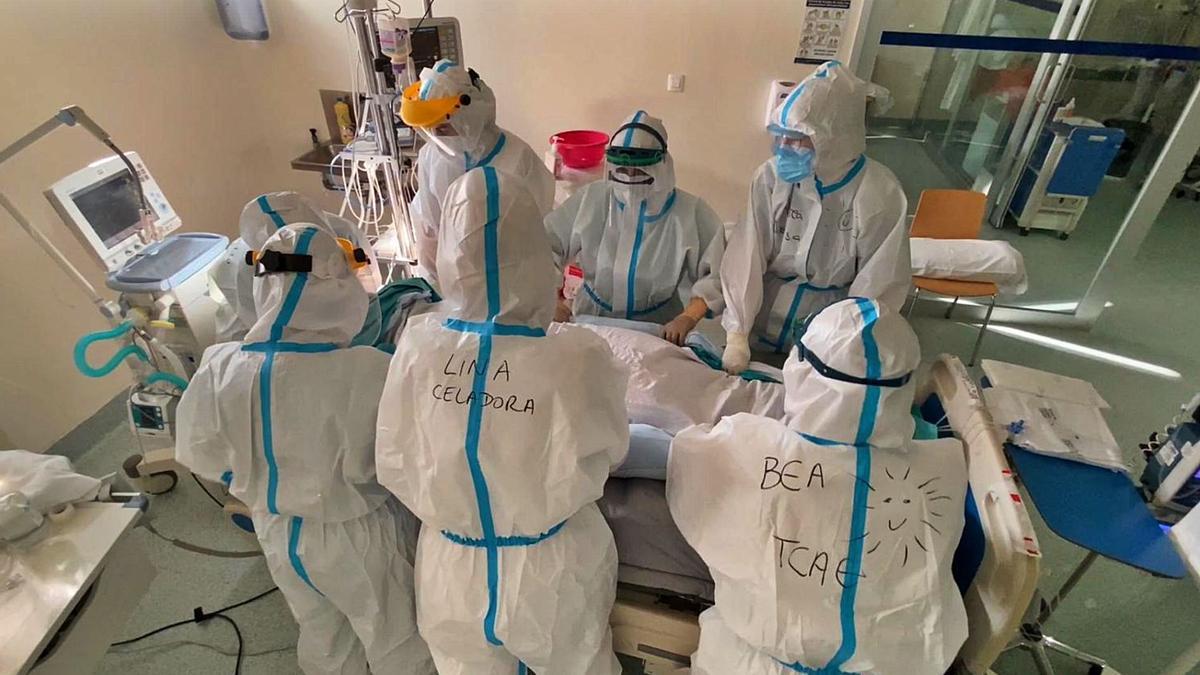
[1066, 168]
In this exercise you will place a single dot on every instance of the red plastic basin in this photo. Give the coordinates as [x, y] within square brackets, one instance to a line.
[580, 148]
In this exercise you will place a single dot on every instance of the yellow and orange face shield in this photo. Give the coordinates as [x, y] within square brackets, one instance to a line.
[422, 113]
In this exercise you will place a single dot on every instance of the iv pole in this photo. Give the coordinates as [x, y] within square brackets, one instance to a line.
[362, 14]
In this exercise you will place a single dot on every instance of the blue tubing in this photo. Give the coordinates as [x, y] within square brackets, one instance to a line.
[123, 353]
[170, 378]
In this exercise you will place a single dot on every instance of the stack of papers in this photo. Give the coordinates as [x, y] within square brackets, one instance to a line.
[1051, 414]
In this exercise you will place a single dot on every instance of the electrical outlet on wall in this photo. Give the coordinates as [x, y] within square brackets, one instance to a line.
[675, 82]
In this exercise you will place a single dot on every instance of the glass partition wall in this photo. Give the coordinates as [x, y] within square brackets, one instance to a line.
[976, 85]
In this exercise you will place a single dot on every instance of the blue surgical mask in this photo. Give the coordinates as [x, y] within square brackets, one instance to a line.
[793, 164]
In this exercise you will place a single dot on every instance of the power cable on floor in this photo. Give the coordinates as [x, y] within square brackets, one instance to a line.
[216, 501]
[200, 616]
[202, 550]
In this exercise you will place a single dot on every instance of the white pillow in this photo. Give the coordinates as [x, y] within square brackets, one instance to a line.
[970, 260]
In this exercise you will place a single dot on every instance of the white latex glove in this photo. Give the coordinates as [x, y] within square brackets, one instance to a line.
[737, 353]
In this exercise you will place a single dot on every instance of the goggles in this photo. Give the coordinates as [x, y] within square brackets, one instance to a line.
[275, 262]
[625, 156]
[832, 373]
[828, 371]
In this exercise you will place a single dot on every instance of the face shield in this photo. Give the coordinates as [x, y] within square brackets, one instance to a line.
[430, 117]
[637, 160]
[452, 108]
[443, 137]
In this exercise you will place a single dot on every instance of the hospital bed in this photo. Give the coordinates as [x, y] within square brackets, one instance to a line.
[663, 584]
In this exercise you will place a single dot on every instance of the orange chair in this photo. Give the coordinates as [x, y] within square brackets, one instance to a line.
[953, 214]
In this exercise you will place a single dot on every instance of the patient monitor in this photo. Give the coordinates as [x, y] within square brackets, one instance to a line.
[102, 207]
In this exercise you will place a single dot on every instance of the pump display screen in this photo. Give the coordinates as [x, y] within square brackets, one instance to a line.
[111, 207]
[426, 47]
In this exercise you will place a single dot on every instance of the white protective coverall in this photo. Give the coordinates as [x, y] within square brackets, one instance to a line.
[801, 247]
[646, 248]
[458, 109]
[261, 217]
[830, 535]
[498, 431]
[287, 420]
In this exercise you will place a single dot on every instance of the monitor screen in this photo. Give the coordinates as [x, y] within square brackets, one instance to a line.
[111, 207]
[426, 48]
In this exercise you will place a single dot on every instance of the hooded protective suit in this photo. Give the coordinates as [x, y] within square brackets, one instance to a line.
[498, 430]
[456, 110]
[804, 245]
[261, 217]
[647, 249]
[296, 445]
[830, 541]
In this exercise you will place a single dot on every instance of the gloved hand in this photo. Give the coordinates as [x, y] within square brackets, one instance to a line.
[677, 329]
[562, 312]
[737, 353]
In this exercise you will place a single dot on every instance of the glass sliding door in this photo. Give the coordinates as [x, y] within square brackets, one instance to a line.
[977, 85]
[958, 106]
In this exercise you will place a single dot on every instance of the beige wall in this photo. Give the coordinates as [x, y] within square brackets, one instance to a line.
[215, 120]
[591, 64]
[218, 121]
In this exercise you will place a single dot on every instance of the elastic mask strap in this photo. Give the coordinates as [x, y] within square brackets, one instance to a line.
[835, 374]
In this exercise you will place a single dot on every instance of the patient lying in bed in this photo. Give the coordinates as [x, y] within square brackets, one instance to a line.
[672, 388]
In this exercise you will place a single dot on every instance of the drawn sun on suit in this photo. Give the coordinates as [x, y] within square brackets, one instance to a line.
[903, 511]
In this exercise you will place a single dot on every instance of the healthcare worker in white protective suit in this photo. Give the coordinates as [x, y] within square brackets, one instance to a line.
[649, 251]
[498, 430]
[261, 217]
[287, 420]
[455, 110]
[823, 221]
[829, 535]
